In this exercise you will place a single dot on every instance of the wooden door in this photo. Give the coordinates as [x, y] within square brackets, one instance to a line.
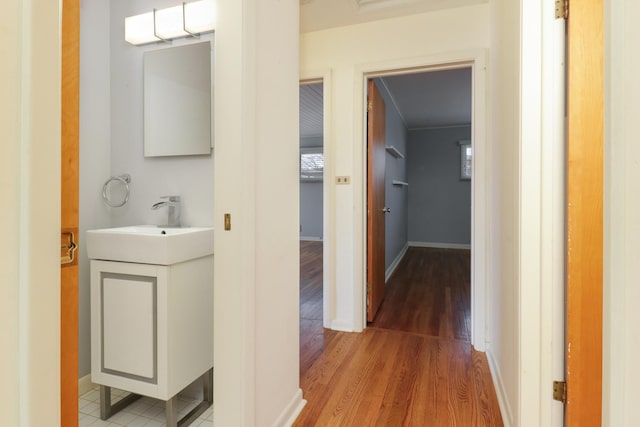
[375, 200]
[69, 202]
[585, 105]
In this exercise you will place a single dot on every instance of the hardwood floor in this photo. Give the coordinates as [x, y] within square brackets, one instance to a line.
[413, 366]
[313, 337]
[429, 294]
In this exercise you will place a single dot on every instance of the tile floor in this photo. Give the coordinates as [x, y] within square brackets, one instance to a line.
[145, 411]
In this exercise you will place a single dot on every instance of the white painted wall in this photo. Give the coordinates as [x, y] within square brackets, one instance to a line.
[526, 199]
[256, 294]
[622, 224]
[502, 351]
[30, 192]
[346, 51]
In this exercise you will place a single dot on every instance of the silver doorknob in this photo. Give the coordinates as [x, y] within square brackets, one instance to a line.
[386, 210]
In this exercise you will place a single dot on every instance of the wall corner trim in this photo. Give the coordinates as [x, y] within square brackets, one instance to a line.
[396, 262]
[291, 412]
[342, 326]
[440, 245]
[501, 392]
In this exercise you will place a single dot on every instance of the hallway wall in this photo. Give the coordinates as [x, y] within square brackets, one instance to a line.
[257, 267]
[503, 351]
[621, 346]
[30, 190]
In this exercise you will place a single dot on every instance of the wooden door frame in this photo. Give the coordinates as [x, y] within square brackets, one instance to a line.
[70, 115]
[476, 59]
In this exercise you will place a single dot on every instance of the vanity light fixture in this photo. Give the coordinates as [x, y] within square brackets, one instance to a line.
[186, 20]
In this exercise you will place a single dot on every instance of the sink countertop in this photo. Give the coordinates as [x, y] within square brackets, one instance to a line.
[150, 244]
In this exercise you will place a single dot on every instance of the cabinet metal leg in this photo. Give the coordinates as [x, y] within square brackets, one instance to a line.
[207, 389]
[171, 412]
[207, 400]
[105, 402]
[107, 409]
[171, 405]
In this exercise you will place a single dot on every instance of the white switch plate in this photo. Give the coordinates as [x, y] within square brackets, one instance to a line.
[343, 180]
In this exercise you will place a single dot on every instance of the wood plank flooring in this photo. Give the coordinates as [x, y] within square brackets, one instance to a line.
[313, 337]
[429, 294]
[413, 366]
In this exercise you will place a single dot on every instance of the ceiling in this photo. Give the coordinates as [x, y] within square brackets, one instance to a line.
[436, 98]
[430, 99]
[311, 110]
[321, 14]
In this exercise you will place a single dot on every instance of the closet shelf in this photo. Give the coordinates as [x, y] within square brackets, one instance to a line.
[401, 183]
[394, 151]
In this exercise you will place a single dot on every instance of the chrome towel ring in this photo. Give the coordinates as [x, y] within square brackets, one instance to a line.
[125, 179]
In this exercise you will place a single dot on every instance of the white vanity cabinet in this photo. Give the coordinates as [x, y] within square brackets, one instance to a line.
[151, 325]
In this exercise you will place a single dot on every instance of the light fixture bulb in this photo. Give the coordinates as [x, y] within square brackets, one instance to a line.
[169, 23]
[138, 29]
[200, 16]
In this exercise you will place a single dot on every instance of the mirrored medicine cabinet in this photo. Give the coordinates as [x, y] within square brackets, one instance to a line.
[177, 101]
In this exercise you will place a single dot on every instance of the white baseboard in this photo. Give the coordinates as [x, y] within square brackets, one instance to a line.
[85, 385]
[342, 326]
[440, 245]
[501, 393]
[395, 263]
[291, 412]
[311, 238]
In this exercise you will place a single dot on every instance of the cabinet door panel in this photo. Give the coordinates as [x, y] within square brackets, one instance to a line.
[129, 320]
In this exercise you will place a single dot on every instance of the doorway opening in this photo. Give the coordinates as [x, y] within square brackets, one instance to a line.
[427, 231]
[312, 220]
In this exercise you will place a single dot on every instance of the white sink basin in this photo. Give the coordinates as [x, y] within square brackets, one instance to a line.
[149, 244]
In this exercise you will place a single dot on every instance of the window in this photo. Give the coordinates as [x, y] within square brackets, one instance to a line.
[311, 164]
[466, 154]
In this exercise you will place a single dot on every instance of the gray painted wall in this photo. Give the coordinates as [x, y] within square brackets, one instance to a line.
[111, 126]
[396, 224]
[439, 201]
[311, 199]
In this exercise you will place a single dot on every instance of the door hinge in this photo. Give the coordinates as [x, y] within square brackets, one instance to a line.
[560, 391]
[369, 106]
[562, 9]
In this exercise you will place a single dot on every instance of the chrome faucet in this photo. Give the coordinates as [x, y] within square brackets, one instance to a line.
[173, 210]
